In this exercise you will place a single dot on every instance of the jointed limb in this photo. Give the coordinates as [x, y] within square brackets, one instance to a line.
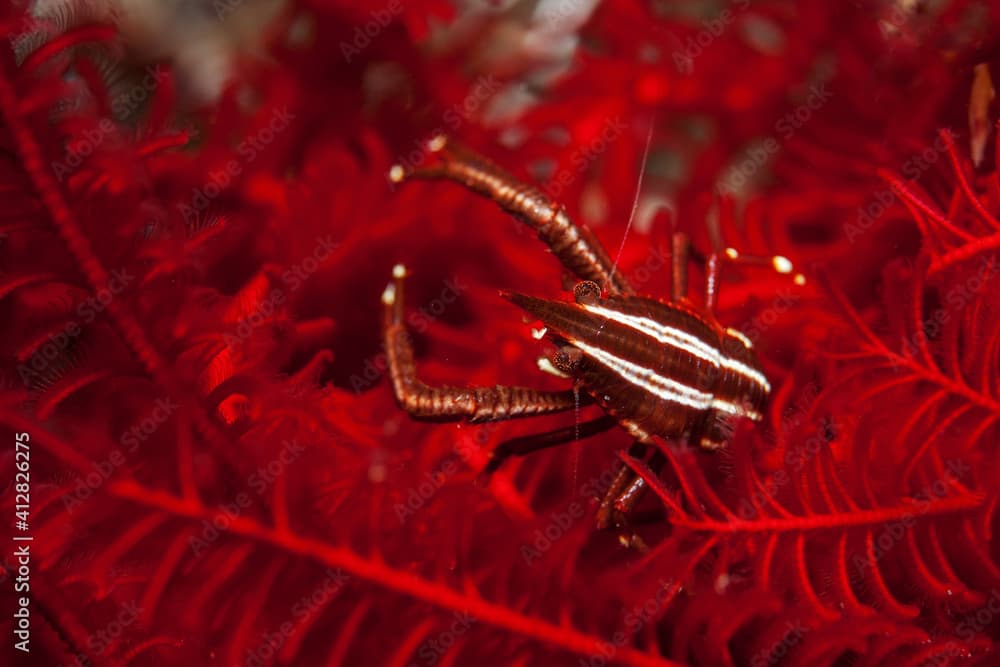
[620, 499]
[476, 404]
[532, 443]
[680, 249]
[681, 252]
[575, 246]
[626, 490]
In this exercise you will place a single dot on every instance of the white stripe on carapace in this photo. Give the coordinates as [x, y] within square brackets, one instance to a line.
[738, 410]
[660, 386]
[682, 340]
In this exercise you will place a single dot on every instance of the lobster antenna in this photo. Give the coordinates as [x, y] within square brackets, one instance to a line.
[778, 263]
[635, 202]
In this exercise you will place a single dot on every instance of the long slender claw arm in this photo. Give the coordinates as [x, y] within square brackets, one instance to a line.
[574, 245]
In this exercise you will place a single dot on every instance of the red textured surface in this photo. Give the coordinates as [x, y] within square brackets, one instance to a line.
[281, 509]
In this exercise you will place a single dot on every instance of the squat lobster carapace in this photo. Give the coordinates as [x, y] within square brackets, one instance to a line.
[656, 368]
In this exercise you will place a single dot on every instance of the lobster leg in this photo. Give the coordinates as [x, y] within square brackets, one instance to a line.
[621, 496]
[681, 252]
[574, 245]
[680, 249]
[620, 500]
[477, 404]
[532, 443]
[713, 264]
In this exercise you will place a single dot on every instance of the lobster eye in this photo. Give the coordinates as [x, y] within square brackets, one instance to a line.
[587, 292]
[567, 359]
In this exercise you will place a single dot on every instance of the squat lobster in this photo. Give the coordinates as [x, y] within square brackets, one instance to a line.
[656, 368]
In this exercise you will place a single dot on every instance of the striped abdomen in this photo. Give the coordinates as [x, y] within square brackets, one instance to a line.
[660, 369]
